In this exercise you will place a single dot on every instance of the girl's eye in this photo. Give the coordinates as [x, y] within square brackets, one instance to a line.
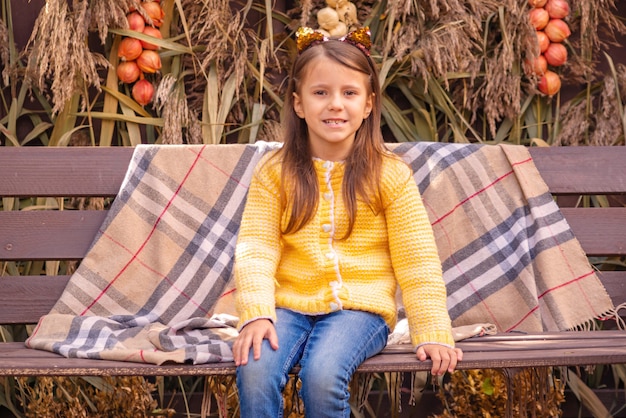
[319, 92]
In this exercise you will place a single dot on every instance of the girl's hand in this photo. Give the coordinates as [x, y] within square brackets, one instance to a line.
[443, 358]
[252, 335]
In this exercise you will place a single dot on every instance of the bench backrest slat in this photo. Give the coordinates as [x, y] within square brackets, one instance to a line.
[48, 235]
[78, 171]
[66, 235]
[23, 300]
[55, 172]
[601, 231]
[615, 284]
[93, 171]
[582, 170]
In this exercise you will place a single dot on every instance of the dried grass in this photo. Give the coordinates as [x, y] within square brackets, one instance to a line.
[608, 124]
[575, 124]
[473, 48]
[107, 14]
[595, 26]
[476, 49]
[446, 34]
[223, 390]
[537, 393]
[171, 102]
[596, 119]
[215, 25]
[307, 11]
[511, 40]
[230, 47]
[73, 397]
[60, 58]
[294, 407]
[271, 130]
[4, 52]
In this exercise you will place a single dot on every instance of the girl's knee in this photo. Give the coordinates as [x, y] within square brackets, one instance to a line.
[322, 379]
[259, 371]
[325, 392]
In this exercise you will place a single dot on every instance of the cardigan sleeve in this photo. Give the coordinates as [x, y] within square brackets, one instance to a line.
[258, 249]
[417, 265]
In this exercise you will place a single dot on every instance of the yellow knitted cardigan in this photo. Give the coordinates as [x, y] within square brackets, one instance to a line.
[311, 272]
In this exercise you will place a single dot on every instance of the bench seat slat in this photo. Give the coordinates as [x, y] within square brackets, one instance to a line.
[502, 359]
[540, 350]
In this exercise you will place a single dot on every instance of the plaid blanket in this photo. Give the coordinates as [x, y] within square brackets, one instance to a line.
[509, 257]
[156, 284]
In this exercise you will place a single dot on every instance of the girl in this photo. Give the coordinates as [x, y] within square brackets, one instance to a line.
[333, 221]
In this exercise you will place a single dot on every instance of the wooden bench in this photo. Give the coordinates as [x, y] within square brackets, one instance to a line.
[38, 234]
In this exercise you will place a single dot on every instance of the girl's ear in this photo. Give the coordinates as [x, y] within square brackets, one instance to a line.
[297, 105]
[369, 104]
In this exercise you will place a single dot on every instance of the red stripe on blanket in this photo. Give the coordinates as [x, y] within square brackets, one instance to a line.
[27, 343]
[158, 273]
[572, 273]
[490, 185]
[576, 280]
[228, 293]
[494, 320]
[225, 173]
[497, 180]
[154, 227]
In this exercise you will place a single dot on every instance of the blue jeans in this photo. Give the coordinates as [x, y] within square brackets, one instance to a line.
[328, 348]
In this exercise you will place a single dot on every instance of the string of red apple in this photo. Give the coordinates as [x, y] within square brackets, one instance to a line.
[547, 16]
[138, 57]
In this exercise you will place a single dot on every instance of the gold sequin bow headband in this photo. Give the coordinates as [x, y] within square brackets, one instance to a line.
[307, 37]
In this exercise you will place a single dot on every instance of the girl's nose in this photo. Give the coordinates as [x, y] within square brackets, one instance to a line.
[336, 102]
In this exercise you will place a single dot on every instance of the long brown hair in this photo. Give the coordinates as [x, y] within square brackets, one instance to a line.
[363, 165]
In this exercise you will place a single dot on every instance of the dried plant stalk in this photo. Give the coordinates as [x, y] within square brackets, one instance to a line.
[499, 93]
[172, 103]
[608, 126]
[60, 57]
[446, 34]
[473, 48]
[596, 119]
[271, 130]
[126, 397]
[595, 27]
[4, 52]
[574, 124]
[214, 24]
[537, 393]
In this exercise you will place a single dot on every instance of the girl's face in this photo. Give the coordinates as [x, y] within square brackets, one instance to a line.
[333, 100]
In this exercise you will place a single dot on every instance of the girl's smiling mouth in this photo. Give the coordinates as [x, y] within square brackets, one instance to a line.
[334, 121]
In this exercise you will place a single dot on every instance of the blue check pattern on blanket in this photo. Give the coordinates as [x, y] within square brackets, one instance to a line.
[156, 284]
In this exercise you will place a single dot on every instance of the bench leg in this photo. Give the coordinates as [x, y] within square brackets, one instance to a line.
[528, 388]
[509, 374]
